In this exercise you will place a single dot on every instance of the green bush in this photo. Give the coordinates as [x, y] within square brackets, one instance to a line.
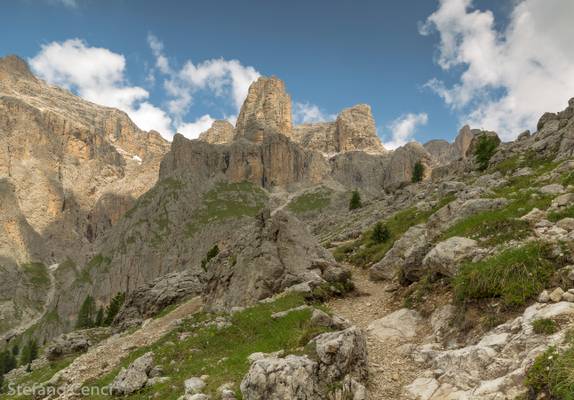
[214, 251]
[114, 308]
[380, 233]
[418, 172]
[29, 353]
[355, 201]
[544, 326]
[87, 314]
[515, 276]
[484, 151]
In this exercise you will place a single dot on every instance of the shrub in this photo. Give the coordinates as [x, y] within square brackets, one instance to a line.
[484, 151]
[380, 233]
[114, 308]
[214, 251]
[355, 202]
[29, 352]
[87, 314]
[544, 326]
[553, 374]
[418, 172]
[515, 275]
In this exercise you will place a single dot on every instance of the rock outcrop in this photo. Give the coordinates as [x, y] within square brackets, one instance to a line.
[221, 132]
[275, 254]
[267, 109]
[338, 370]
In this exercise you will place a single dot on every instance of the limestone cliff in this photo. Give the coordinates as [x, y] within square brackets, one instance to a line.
[220, 132]
[71, 169]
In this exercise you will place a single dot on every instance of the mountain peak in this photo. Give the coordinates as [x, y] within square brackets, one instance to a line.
[13, 65]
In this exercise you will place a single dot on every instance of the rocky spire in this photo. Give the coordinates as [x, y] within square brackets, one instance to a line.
[221, 132]
[267, 108]
[356, 130]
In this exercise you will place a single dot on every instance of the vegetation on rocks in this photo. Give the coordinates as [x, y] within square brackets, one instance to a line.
[87, 314]
[418, 172]
[199, 347]
[214, 251]
[311, 201]
[552, 374]
[484, 151]
[226, 201]
[355, 202]
[37, 274]
[544, 326]
[515, 276]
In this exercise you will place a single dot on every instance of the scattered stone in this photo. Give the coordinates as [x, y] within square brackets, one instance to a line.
[534, 216]
[194, 385]
[556, 295]
[321, 318]
[421, 389]
[283, 314]
[399, 326]
[568, 297]
[566, 223]
[553, 188]
[544, 297]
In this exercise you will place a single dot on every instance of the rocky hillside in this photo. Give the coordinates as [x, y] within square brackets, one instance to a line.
[272, 261]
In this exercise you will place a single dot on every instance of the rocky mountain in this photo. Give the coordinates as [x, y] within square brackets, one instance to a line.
[247, 274]
[69, 170]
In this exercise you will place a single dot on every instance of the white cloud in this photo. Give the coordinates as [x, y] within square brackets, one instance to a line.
[66, 3]
[98, 75]
[509, 77]
[219, 77]
[192, 130]
[403, 129]
[306, 113]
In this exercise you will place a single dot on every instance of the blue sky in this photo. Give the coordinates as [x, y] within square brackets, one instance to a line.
[413, 71]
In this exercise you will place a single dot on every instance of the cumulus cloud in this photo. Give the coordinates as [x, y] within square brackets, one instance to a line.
[192, 130]
[219, 77]
[508, 77]
[404, 128]
[307, 113]
[98, 75]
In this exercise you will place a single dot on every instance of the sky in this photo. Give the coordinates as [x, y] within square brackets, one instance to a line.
[426, 67]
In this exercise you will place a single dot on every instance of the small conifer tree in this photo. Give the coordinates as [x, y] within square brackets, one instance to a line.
[418, 172]
[355, 202]
[380, 233]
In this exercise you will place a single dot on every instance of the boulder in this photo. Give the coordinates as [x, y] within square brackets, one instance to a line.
[399, 326]
[554, 188]
[556, 295]
[134, 377]
[194, 385]
[446, 257]
[534, 216]
[405, 257]
[566, 223]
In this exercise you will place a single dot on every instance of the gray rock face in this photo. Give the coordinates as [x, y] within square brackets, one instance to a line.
[446, 257]
[73, 342]
[133, 378]
[356, 130]
[150, 299]
[221, 132]
[267, 109]
[276, 253]
[402, 163]
[405, 256]
[341, 361]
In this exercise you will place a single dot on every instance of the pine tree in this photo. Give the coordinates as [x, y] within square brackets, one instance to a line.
[15, 350]
[484, 151]
[86, 314]
[114, 307]
[29, 352]
[99, 317]
[418, 172]
[355, 202]
[7, 362]
[380, 233]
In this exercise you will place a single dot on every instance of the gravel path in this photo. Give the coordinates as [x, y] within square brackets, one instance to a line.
[390, 366]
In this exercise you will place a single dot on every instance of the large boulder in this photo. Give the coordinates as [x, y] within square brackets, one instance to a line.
[405, 257]
[150, 299]
[337, 369]
[134, 377]
[446, 257]
[398, 326]
[275, 253]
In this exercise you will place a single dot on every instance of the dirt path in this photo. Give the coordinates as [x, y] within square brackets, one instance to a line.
[390, 365]
[107, 355]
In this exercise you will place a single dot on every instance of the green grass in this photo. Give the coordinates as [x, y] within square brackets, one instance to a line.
[312, 201]
[222, 354]
[226, 201]
[37, 274]
[544, 326]
[558, 215]
[553, 373]
[365, 251]
[515, 276]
